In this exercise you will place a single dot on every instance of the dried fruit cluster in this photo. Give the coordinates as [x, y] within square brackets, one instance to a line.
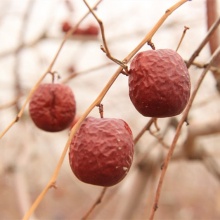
[101, 151]
[91, 29]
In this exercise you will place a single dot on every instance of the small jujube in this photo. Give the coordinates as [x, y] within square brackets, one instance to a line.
[52, 107]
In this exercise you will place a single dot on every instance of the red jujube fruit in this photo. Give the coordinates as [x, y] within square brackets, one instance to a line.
[52, 107]
[159, 83]
[101, 151]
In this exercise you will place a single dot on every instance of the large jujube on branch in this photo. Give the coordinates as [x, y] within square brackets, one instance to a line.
[101, 151]
[159, 83]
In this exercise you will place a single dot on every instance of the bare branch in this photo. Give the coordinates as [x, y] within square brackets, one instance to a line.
[182, 37]
[97, 202]
[212, 17]
[145, 128]
[198, 129]
[178, 131]
[203, 43]
[105, 48]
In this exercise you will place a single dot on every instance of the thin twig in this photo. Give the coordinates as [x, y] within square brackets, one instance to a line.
[177, 134]
[182, 37]
[211, 165]
[21, 36]
[73, 75]
[159, 138]
[203, 43]
[105, 48]
[21, 184]
[97, 202]
[211, 17]
[9, 104]
[149, 36]
[212, 14]
[156, 124]
[20, 113]
[204, 65]
[145, 128]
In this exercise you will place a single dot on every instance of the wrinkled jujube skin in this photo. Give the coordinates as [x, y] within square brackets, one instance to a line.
[159, 83]
[101, 151]
[52, 107]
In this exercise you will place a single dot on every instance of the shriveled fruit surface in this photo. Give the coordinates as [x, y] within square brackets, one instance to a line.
[52, 107]
[101, 151]
[159, 83]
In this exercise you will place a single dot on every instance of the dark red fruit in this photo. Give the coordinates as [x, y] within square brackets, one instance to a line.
[92, 30]
[79, 31]
[66, 26]
[52, 107]
[101, 151]
[159, 83]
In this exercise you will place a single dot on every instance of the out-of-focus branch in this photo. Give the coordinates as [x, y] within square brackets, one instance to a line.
[146, 171]
[97, 202]
[178, 131]
[214, 40]
[212, 16]
[145, 128]
[211, 165]
[21, 184]
[203, 43]
[17, 81]
[9, 104]
[196, 130]
[22, 45]
[73, 75]
[204, 65]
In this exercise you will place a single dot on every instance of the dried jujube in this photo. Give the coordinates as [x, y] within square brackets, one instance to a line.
[101, 151]
[159, 83]
[52, 107]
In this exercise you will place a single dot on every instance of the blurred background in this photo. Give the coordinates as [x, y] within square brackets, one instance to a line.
[31, 32]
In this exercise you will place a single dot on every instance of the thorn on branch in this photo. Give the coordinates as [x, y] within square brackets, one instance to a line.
[102, 48]
[17, 118]
[182, 37]
[53, 185]
[101, 110]
[186, 121]
[126, 73]
[155, 207]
